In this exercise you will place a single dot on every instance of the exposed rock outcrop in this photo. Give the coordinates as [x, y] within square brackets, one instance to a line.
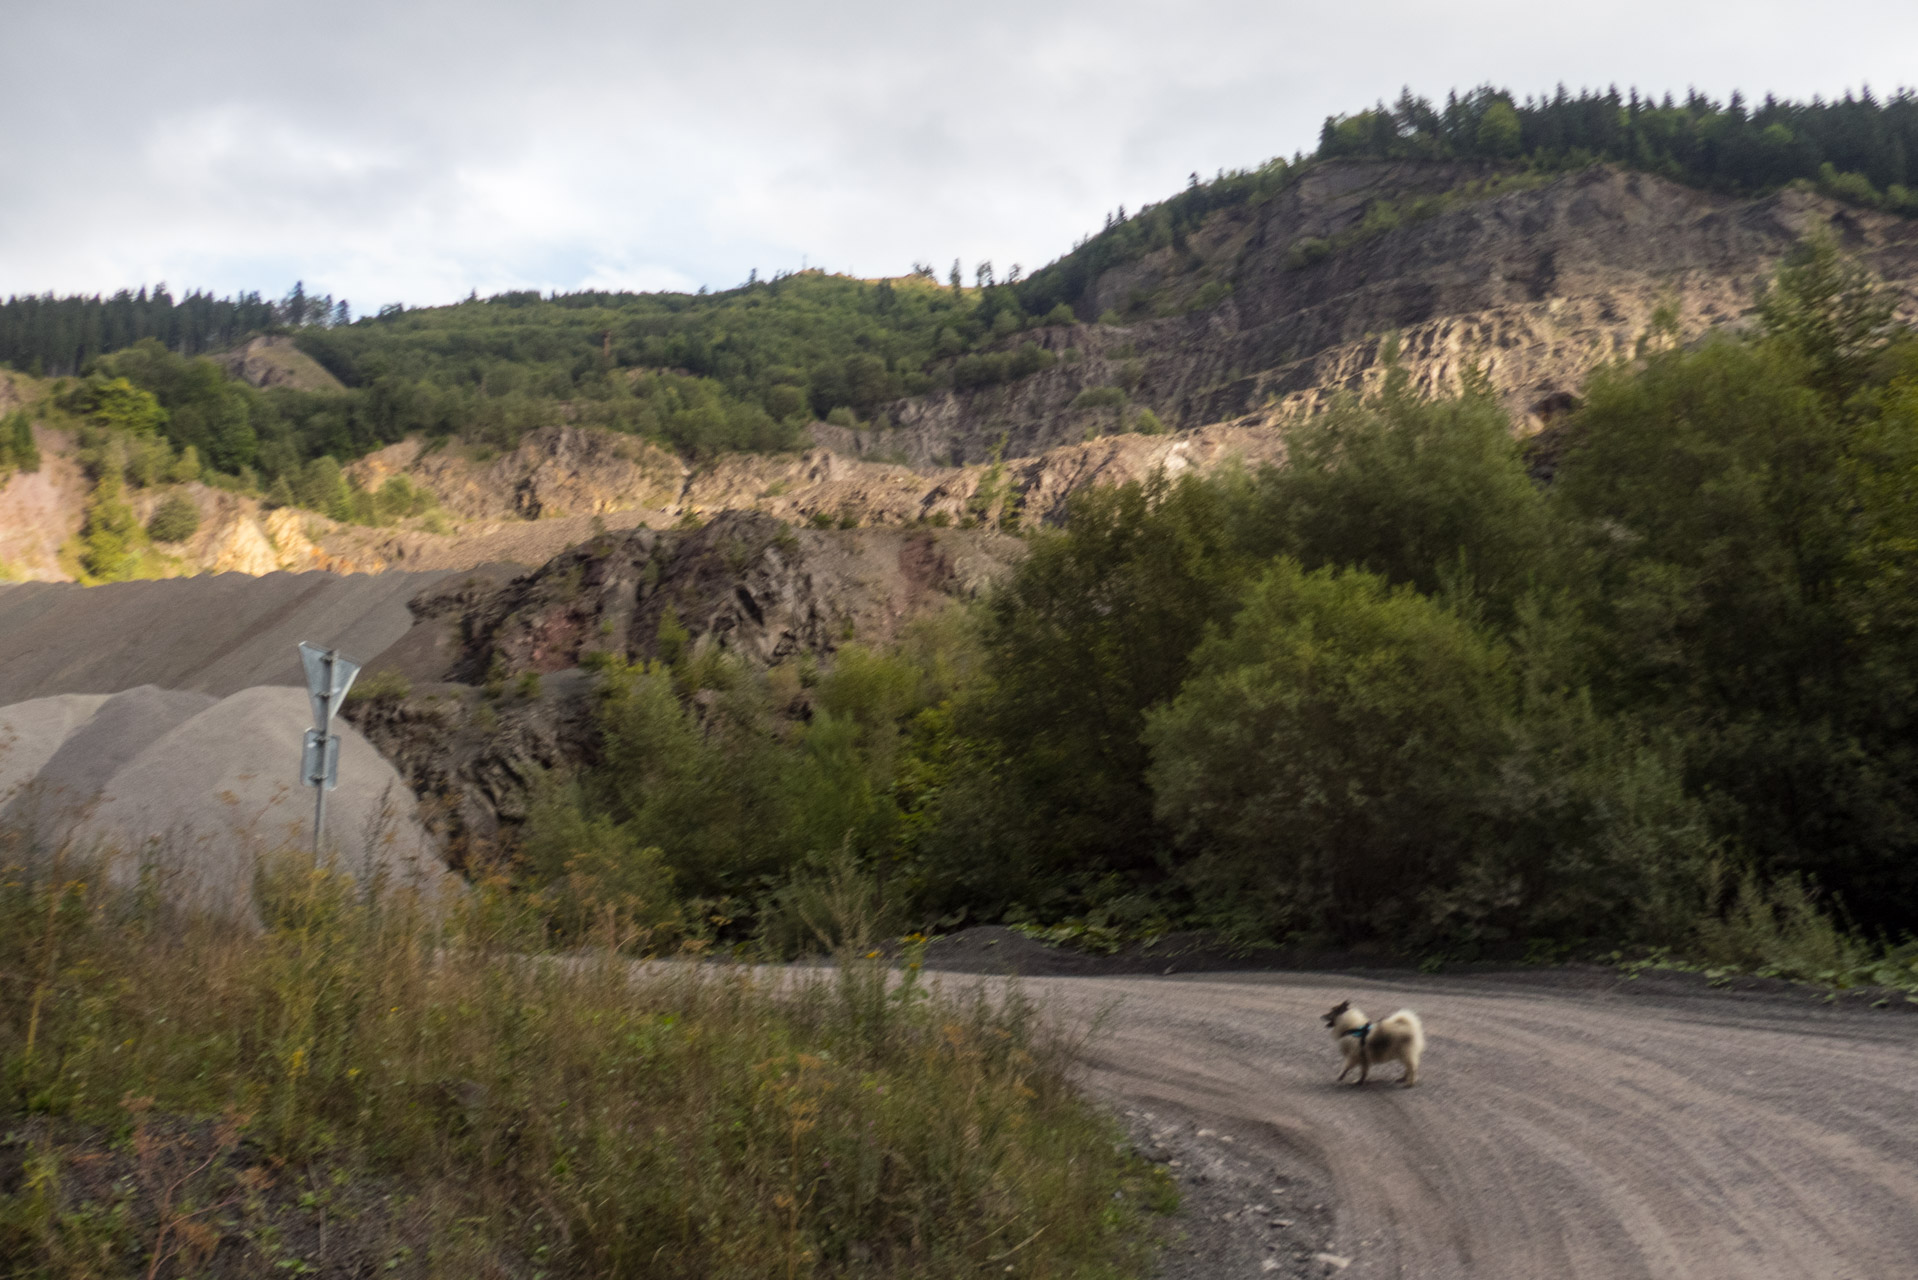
[1257, 317]
[745, 583]
[1535, 284]
[555, 471]
[472, 760]
[273, 361]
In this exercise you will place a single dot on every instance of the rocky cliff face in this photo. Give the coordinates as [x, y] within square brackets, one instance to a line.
[746, 583]
[555, 472]
[1536, 284]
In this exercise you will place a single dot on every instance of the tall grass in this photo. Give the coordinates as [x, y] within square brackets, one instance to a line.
[519, 1114]
[1786, 929]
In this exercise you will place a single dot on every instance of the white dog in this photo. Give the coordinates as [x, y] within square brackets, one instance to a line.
[1365, 1042]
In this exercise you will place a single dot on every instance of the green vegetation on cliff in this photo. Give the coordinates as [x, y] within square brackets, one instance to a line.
[1396, 691]
[1856, 150]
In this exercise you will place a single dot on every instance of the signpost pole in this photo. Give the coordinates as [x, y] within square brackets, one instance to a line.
[319, 784]
[328, 677]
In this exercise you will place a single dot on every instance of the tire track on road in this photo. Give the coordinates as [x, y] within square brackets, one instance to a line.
[1578, 1133]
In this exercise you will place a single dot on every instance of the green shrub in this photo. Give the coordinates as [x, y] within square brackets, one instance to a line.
[1100, 398]
[1307, 250]
[383, 685]
[109, 540]
[1210, 294]
[176, 520]
[18, 449]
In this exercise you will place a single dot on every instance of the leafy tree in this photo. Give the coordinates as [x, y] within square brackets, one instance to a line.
[109, 538]
[1499, 133]
[120, 406]
[1742, 539]
[321, 486]
[1095, 627]
[186, 467]
[18, 449]
[1326, 758]
[1433, 493]
[1830, 311]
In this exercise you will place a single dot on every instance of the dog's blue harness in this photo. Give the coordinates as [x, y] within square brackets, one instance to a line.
[1361, 1033]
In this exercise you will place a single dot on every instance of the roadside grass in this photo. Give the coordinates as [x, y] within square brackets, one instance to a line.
[1784, 929]
[370, 1086]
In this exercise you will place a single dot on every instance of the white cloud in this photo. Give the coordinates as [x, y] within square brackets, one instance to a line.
[387, 151]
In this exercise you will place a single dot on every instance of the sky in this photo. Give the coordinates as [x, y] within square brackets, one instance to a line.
[414, 150]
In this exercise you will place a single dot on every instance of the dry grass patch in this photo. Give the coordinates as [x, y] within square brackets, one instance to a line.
[365, 1089]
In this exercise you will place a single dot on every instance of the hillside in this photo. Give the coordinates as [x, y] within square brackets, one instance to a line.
[1264, 309]
[1535, 281]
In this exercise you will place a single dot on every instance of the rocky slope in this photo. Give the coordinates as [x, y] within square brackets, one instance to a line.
[1535, 283]
[273, 361]
[485, 691]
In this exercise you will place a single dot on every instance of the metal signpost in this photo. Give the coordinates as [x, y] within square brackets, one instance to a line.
[328, 677]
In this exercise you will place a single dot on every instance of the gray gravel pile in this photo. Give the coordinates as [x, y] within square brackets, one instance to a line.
[217, 634]
[193, 791]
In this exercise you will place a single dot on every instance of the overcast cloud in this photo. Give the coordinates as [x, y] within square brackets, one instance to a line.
[412, 152]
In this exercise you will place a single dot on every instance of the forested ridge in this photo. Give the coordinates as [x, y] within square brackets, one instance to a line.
[747, 367]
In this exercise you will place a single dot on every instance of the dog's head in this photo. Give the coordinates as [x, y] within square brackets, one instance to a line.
[1332, 1018]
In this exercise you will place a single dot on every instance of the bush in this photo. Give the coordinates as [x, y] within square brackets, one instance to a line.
[1307, 250]
[109, 539]
[1428, 492]
[383, 685]
[1100, 398]
[18, 449]
[176, 520]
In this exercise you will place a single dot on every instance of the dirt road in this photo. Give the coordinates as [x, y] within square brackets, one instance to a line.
[1603, 1133]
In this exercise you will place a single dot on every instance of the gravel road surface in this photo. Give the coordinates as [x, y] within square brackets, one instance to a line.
[1561, 1128]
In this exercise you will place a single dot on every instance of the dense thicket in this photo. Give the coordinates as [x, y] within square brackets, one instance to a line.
[1394, 690]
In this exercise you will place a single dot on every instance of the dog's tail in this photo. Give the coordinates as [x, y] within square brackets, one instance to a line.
[1406, 1023]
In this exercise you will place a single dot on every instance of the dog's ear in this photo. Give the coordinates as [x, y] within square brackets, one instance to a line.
[1337, 1009]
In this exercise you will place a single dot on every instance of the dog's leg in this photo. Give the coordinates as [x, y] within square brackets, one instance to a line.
[1365, 1067]
[1349, 1064]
